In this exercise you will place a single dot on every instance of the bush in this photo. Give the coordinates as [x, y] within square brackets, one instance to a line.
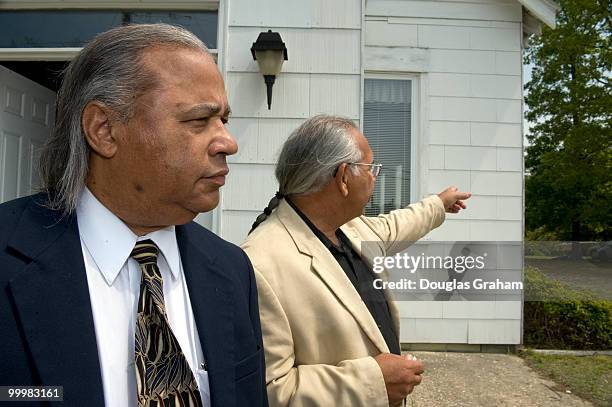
[559, 317]
[541, 234]
[569, 325]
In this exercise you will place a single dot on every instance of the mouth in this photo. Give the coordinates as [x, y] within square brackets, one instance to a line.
[219, 177]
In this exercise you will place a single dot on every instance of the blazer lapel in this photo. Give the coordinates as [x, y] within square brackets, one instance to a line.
[211, 295]
[329, 271]
[51, 299]
[367, 252]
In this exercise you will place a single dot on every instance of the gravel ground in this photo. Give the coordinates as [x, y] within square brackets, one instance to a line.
[488, 380]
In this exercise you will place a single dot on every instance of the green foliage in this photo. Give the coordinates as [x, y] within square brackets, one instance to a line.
[558, 317]
[569, 99]
[577, 324]
[541, 234]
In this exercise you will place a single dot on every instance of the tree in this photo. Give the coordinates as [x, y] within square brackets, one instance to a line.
[569, 99]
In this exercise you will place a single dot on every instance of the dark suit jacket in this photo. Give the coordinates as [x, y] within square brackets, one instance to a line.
[46, 322]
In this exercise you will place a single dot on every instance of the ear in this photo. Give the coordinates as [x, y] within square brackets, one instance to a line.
[341, 179]
[98, 127]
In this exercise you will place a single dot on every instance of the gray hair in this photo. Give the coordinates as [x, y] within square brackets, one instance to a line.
[313, 152]
[108, 70]
[311, 156]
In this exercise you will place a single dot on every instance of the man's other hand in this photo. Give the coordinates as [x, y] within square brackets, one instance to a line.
[400, 374]
[453, 199]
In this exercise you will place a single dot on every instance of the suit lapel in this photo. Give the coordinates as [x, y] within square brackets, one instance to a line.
[211, 296]
[367, 253]
[51, 298]
[329, 271]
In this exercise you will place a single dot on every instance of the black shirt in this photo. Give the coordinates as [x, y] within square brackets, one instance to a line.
[362, 278]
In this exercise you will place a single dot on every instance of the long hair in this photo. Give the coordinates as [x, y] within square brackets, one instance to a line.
[108, 70]
[310, 157]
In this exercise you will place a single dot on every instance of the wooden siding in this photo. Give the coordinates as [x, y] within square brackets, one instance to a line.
[296, 13]
[322, 75]
[467, 56]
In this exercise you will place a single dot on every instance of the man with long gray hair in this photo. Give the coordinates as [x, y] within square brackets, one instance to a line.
[108, 288]
[330, 338]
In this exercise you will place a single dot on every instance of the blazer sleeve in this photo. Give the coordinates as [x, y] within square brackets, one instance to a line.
[402, 227]
[355, 383]
[255, 321]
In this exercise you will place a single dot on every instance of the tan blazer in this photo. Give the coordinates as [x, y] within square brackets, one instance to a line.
[319, 336]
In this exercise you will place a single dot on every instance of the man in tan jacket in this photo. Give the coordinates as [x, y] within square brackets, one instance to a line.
[330, 338]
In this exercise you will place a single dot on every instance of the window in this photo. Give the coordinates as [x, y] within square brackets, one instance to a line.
[73, 28]
[387, 124]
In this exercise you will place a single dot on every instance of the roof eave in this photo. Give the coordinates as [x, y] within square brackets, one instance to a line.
[543, 10]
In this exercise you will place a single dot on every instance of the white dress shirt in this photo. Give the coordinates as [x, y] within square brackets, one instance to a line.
[113, 278]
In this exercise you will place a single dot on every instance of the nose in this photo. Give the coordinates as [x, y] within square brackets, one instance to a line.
[224, 142]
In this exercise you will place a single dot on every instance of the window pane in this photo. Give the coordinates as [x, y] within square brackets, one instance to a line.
[47, 29]
[202, 23]
[73, 28]
[387, 120]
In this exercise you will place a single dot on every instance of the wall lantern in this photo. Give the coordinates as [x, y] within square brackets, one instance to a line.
[270, 52]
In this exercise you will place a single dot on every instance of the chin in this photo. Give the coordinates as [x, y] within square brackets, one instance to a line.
[207, 203]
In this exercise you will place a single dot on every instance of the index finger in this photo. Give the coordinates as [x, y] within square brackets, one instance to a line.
[463, 195]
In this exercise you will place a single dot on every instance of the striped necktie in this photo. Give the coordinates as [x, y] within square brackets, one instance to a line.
[163, 376]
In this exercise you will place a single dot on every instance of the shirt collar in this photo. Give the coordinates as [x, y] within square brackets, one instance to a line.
[110, 241]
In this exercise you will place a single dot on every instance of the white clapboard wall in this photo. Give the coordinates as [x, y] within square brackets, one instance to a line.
[467, 57]
[322, 75]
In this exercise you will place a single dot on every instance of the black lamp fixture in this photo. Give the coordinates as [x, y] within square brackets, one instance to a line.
[270, 52]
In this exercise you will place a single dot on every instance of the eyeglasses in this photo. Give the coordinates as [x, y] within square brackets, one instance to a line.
[375, 168]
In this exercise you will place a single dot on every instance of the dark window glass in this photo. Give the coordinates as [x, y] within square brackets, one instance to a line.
[73, 28]
[387, 117]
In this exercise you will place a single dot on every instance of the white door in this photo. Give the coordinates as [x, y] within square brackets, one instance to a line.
[26, 117]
